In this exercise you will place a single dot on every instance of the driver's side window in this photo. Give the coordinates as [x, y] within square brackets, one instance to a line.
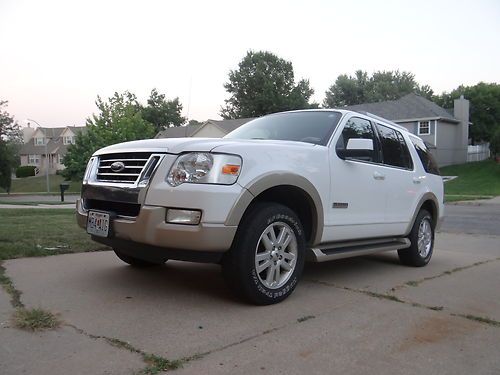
[357, 128]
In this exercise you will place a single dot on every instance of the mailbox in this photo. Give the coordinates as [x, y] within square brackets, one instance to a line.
[63, 186]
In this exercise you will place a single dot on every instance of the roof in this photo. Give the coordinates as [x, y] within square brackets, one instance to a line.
[188, 130]
[178, 131]
[410, 107]
[55, 143]
[54, 146]
[232, 124]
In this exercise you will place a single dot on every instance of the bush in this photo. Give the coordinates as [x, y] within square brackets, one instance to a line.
[25, 171]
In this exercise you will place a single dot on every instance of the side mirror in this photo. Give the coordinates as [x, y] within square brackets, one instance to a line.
[357, 148]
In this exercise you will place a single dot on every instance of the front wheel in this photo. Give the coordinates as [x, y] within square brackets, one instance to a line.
[267, 257]
[422, 242]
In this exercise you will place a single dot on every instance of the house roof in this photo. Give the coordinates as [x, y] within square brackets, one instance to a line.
[232, 124]
[55, 143]
[410, 107]
[178, 131]
[188, 130]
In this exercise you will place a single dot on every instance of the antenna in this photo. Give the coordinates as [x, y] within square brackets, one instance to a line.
[189, 96]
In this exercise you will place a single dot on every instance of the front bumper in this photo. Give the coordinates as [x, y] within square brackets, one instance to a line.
[150, 228]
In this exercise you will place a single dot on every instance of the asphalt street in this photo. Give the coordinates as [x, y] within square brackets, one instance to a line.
[472, 218]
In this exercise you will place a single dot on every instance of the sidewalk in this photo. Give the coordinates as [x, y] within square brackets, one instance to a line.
[34, 197]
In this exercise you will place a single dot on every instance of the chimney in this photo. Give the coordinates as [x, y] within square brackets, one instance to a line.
[461, 113]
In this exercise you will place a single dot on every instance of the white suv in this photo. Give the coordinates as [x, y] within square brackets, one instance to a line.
[315, 184]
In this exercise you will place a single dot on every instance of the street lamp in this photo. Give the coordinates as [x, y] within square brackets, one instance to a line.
[46, 157]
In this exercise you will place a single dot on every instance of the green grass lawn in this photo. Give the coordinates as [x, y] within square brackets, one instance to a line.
[38, 184]
[474, 179]
[42, 232]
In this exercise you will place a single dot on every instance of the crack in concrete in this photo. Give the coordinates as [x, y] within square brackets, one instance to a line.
[415, 283]
[8, 285]
[390, 297]
[155, 363]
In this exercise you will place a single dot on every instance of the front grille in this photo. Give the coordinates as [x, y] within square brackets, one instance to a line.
[119, 208]
[133, 163]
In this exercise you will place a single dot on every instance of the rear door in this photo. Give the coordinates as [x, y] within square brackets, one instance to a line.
[402, 185]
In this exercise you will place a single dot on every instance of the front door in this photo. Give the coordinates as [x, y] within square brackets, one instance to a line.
[357, 193]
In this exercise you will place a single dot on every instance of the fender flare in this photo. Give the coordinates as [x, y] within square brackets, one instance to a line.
[275, 179]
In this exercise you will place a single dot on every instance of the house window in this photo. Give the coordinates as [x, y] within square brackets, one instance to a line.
[68, 140]
[424, 127]
[39, 141]
[33, 159]
[60, 158]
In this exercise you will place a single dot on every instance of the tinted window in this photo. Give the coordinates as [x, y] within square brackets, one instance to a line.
[357, 128]
[394, 150]
[425, 156]
[311, 126]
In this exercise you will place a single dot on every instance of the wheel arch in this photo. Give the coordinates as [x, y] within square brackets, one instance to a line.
[429, 202]
[291, 190]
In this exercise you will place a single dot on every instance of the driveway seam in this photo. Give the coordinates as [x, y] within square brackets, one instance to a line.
[480, 319]
[415, 283]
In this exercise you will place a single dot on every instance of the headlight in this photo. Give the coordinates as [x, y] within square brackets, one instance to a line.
[205, 168]
[88, 170]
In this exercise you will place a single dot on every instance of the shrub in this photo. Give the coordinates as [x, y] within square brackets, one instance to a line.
[25, 171]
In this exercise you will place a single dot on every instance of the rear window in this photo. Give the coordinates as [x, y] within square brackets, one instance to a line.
[309, 126]
[394, 148]
[425, 156]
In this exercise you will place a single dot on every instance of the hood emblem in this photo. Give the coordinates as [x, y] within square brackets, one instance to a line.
[117, 167]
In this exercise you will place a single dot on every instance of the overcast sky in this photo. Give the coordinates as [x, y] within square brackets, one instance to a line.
[57, 56]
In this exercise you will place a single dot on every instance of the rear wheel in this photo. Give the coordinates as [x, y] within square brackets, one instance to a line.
[422, 242]
[267, 257]
[133, 261]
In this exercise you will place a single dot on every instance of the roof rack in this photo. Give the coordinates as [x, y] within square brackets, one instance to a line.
[382, 119]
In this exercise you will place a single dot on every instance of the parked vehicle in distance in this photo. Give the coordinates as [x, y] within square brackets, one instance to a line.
[312, 184]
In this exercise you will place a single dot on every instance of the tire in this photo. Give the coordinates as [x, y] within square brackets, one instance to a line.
[271, 239]
[422, 242]
[134, 262]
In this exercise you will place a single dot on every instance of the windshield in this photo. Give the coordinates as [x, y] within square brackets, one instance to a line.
[309, 126]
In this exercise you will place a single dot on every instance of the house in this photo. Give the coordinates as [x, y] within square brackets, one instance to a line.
[446, 132]
[208, 129]
[46, 147]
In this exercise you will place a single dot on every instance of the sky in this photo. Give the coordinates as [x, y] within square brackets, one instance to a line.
[58, 56]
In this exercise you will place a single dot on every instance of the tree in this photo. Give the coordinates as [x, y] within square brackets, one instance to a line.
[119, 120]
[264, 83]
[382, 85]
[484, 108]
[10, 141]
[495, 144]
[162, 113]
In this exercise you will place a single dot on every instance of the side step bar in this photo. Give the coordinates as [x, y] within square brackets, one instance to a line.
[351, 249]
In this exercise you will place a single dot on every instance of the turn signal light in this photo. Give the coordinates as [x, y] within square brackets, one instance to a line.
[231, 169]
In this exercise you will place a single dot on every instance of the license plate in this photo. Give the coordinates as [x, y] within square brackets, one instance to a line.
[98, 223]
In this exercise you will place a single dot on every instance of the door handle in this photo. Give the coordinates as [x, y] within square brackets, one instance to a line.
[378, 176]
[418, 180]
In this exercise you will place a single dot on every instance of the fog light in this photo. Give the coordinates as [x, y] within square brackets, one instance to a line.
[191, 217]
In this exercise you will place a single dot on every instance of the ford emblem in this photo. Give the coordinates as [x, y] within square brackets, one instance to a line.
[117, 167]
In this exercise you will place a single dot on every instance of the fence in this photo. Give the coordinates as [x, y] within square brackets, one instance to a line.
[478, 152]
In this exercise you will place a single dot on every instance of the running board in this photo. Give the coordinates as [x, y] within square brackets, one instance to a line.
[352, 249]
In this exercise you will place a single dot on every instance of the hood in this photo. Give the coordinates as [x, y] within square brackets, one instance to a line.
[178, 145]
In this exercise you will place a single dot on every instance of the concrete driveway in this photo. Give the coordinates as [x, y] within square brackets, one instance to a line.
[365, 315]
